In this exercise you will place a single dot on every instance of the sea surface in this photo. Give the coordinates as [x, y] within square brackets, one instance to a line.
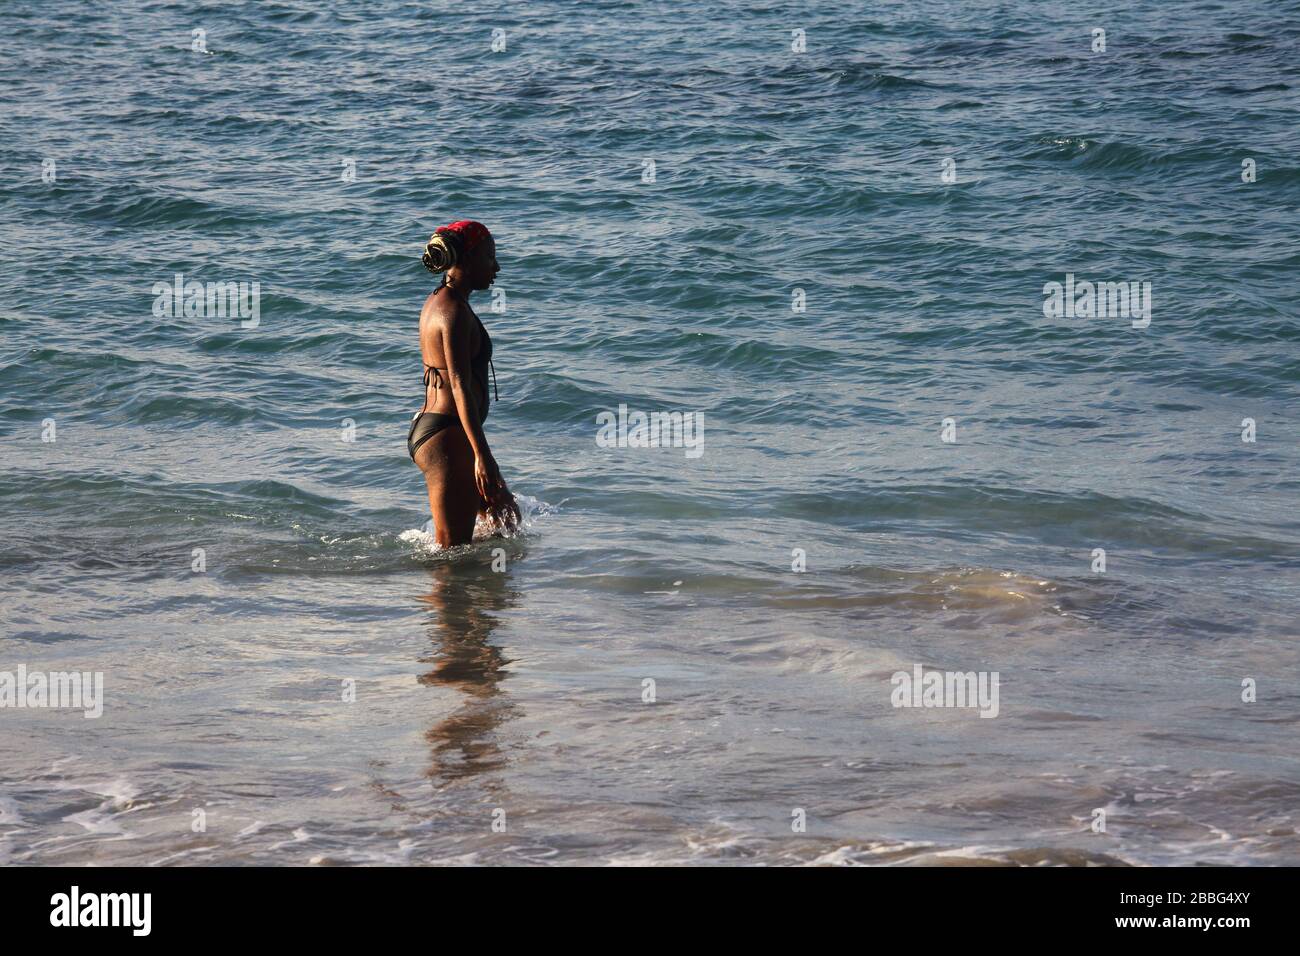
[827, 253]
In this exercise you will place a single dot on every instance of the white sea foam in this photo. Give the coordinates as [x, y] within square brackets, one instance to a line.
[529, 507]
[9, 811]
[119, 797]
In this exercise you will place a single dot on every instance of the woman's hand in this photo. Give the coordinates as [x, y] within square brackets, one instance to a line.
[487, 477]
[505, 510]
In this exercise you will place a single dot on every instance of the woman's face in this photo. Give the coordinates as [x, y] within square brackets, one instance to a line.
[484, 267]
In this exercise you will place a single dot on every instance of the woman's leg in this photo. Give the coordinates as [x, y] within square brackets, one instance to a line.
[448, 465]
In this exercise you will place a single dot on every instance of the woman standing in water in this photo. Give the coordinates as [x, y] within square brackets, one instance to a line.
[446, 438]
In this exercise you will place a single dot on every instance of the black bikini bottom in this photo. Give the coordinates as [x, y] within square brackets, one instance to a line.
[424, 425]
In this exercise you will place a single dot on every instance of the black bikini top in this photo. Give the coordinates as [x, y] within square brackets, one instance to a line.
[480, 363]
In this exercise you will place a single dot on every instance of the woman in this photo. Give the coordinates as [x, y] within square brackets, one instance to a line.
[446, 439]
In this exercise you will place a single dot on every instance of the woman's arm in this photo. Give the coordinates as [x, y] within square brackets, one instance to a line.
[456, 349]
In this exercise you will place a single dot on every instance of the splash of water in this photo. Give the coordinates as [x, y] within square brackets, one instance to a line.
[425, 537]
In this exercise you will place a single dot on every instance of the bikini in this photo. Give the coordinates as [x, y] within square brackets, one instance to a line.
[424, 425]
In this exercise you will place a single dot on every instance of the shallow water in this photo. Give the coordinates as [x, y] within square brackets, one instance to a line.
[521, 690]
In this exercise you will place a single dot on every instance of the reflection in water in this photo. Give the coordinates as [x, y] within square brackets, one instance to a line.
[463, 595]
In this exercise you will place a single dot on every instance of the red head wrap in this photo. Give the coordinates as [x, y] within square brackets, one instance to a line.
[471, 233]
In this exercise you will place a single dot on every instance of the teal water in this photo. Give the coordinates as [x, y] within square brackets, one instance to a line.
[521, 690]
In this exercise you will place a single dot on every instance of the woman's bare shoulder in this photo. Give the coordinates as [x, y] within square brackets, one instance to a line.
[443, 311]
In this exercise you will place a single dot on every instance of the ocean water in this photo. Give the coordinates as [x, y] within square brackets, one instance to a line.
[825, 254]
